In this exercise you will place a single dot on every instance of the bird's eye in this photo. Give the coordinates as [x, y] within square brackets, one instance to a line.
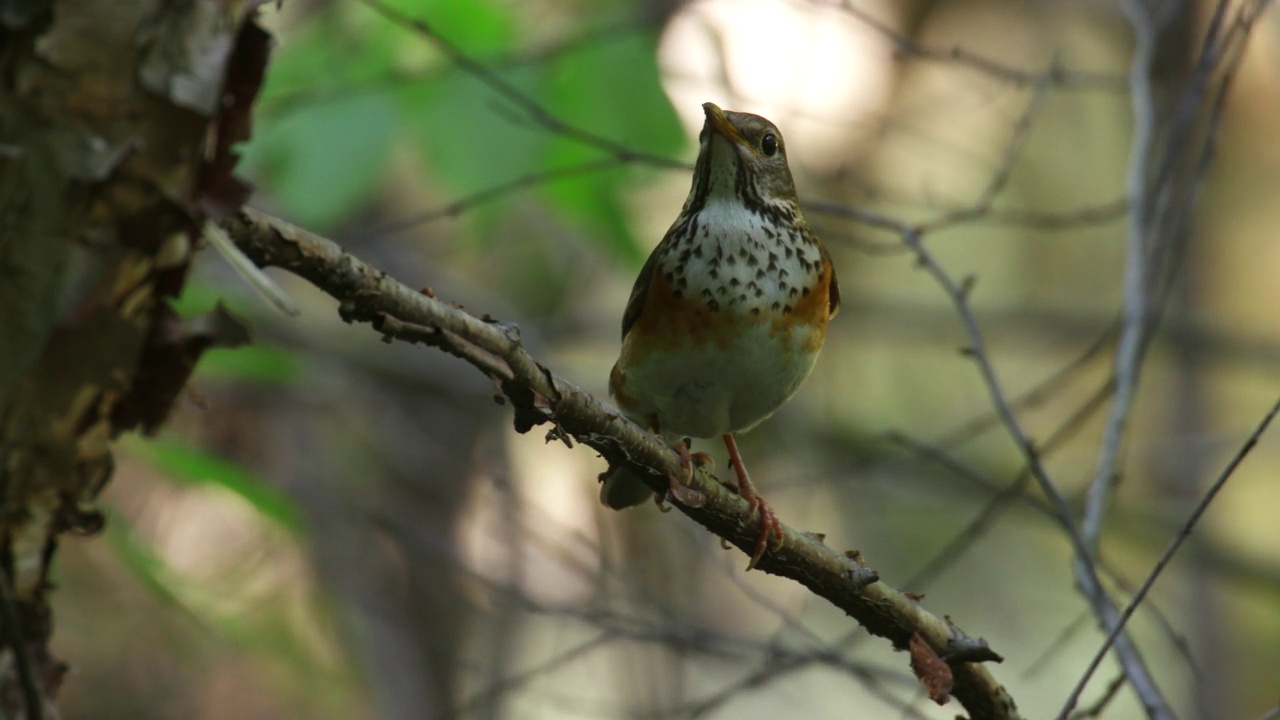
[769, 144]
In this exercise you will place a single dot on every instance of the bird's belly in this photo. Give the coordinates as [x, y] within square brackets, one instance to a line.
[708, 389]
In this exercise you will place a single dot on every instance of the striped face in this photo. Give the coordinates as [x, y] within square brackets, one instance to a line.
[743, 158]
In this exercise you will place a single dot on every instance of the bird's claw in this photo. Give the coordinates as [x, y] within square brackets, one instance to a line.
[770, 528]
[680, 489]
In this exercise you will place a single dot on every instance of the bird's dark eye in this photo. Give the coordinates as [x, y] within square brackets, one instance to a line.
[769, 144]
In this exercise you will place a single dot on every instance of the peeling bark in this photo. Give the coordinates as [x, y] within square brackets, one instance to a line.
[117, 120]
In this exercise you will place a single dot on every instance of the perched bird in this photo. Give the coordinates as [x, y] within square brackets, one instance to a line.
[729, 312]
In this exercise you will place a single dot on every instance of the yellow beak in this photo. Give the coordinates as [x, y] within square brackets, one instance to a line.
[721, 125]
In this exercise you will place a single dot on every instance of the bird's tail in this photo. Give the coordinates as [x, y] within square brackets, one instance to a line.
[622, 488]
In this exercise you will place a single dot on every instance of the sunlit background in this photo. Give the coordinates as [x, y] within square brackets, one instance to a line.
[333, 527]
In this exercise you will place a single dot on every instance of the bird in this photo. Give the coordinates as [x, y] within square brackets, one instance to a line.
[729, 312]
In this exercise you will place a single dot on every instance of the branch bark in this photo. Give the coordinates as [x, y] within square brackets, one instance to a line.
[538, 396]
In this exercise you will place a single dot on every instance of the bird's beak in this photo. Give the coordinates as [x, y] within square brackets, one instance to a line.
[719, 124]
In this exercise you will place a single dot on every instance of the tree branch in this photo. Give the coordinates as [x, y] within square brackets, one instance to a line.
[538, 396]
[1178, 538]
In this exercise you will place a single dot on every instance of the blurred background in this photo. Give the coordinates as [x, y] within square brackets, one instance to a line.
[334, 527]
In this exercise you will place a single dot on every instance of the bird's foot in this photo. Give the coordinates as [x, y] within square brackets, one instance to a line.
[679, 487]
[770, 526]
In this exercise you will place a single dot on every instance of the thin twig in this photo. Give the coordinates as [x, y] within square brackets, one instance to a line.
[302, 98]
[1002, 499]
[530, 107]
[1087, 574]
[1004, 170]
[1071, 80]
[1134, 319]
[1097, 708]
[513, 682]
[1179, 537]
[457, 207]
[1055, 645]
[1053, 221]
[1093, 215]
[1161, 203]
[1041, 393]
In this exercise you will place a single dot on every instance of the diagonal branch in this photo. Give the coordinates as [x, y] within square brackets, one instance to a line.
[1136, 316]
[1178, 538]
[1086, 569]
[538, 396]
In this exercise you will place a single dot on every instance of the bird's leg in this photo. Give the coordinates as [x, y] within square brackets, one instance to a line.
[679, 487]
[769, 525]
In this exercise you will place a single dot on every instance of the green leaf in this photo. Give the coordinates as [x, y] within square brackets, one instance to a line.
[326, 161]
[468, 134]
[475, 27]
[340, 50]
[200, 297]
[260, 364]
[194, 466]
[612, 90]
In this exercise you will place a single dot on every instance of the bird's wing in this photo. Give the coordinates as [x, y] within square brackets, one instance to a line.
[833, 294]
[833, 288]
[639, 291]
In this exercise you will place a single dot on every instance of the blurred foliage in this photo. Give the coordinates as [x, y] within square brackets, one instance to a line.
[261, 363]
[354, 90]
[192, 466]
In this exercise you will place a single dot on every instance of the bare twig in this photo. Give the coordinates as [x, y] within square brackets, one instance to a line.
[1087, 575]
[1179, 537]
[303, 98]
[1000, 501]
[1098, 707]
[1042, 391]
[1070, 80]
[1161, 197]
[507, 684]
[527, 105]
[1052, 221]
[1131, 344]
[1086, 216]
[457, 207]
[1004, 170]
[1134, 319]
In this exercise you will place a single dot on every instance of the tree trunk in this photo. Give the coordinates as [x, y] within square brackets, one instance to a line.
[116, 124]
